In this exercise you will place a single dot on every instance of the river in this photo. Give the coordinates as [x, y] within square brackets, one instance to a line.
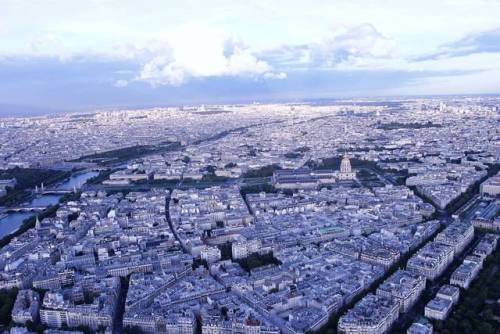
[13, 221]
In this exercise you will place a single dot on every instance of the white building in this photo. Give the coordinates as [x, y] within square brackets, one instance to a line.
[438, 308]
[372, 315]
[210, 254]
[431, 260]
[491, 186]
[420, 328]
[449, 292]
[404, 286]
[346, 172]
[466, 272]
[242, 249]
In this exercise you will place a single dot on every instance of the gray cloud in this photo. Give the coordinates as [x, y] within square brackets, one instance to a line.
[486, 41]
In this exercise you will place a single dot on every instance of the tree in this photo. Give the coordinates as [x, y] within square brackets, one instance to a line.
[133, 330]
[7, 299]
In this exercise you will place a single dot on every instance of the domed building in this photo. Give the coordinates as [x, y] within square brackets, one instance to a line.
[346, 172]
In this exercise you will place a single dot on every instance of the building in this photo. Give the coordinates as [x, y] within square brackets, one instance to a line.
[301, 178]
[244, 248]
[373, 314]
[55, 281]
[26, 307]
[404, 286]
[466, 272]
[380, 255]
[449, 292]
[438, 308]
[486, 246]
[491, 186]
[123, 270]
[243, 325]
[431, 260]
[68, 307]
[420, 328]
[176, 323]
[487, 224]
[210, 254]
[305, 178]
[346, 172]
[457, 235]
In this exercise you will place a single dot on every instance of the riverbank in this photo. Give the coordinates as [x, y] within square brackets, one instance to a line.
[12, 222]
[30, 222]
[27, 179]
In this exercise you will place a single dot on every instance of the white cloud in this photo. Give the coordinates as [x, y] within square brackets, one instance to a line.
[199, 51]
[273, 75]
[359, 41]
[344, 46]
[121, 83]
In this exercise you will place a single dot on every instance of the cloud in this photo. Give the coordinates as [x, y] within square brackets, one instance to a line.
[121, 83]
[199, 51]
[340, 46]
[482, 42]
[273, 75]
[360, 41]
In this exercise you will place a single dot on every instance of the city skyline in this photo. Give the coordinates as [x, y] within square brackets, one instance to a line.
[339, 217]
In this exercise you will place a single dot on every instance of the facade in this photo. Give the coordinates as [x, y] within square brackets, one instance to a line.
[449, 292]
[487, 224]
[54, 282]
[242, 249]
[92, 303]
[210, 254]
[404, 286]
[346, 172]
[420, 328]
[245, 325]
[491, 186]
[26, 307]
[457, 235]
[431, 260]
[466, 272]
[304, 178]
[127, 269]
[168, 324]
[438, 308]
[372, 315]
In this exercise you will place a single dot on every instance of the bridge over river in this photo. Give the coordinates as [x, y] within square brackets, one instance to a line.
[31, 208]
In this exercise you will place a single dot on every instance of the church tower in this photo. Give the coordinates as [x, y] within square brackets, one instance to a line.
[346, 172]
[345, 165]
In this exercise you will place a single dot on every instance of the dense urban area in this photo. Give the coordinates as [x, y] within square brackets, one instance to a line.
[350, 216]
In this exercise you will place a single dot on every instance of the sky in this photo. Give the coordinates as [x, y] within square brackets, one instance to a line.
[67, 55]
